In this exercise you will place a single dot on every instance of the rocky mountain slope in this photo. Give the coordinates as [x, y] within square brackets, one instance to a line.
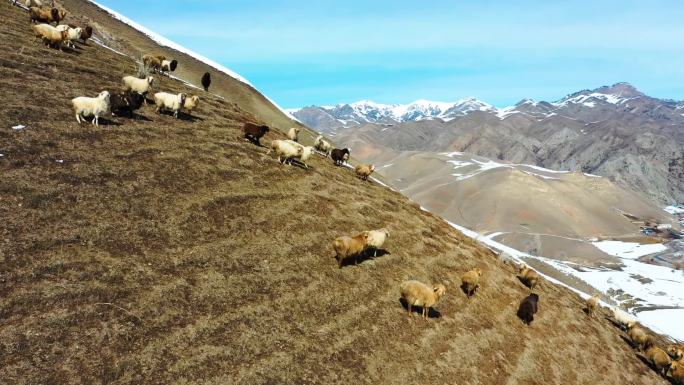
[616, 132]
[171, 251]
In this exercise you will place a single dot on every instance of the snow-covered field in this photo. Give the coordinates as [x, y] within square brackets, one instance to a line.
[638, 283]
[674, 210]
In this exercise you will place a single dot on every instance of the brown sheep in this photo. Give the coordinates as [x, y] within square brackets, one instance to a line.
[349, 247]
[470, 281]
[528, 308]
[419, 294]
[592, 304]
[152, 62]
[657, 357]
[254, 132]
[339, 156]
[528, 276]
[637, 335]
[363, 171]
[44, 15]
[676, 371]
[675, 351]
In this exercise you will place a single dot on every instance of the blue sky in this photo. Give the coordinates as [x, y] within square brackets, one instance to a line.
[327, 52]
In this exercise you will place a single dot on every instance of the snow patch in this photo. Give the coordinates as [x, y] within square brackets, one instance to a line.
[628, 250]
[674, 210]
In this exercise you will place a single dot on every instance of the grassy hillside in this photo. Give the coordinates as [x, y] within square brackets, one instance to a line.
[163, 251]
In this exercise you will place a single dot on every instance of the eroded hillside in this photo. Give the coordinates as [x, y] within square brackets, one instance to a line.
[160, 251]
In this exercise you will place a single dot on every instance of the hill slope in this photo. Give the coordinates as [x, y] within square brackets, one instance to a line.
[162, 251]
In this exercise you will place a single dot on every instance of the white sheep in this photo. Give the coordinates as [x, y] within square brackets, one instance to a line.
[323, 145]
[419, 294]
[141, 86]
[50, 35]
[293, 134]
[622, 317]
[286, 150]
[96, 107]
[32, 3]
[72, 33]
[307, 151]
[376, 238]
[165, 100]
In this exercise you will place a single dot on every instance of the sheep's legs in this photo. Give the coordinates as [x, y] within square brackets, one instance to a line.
[410, 315]
[78, 118]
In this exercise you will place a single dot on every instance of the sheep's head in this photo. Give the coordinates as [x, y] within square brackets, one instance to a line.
[88, 32]
[674, 351]
[478, 271]
[308, 151]
[182, 97]
[535, 296]
[194, 99]
[150, 80]
[674, 365]
[439, 289]
[54, 13]
[79, 31]
[62, 14]
[64, 35]
[104, 95]
[297, 129]
[631, 325]
[173, 65]
[371, 168]
[265, 129]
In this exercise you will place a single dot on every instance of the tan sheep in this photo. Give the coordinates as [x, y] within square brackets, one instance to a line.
[191, 103]
[637, 335]
[592, 304]
[293, 134]
[470, 281]
[676, 371]
[363, 171]
[50, 35]
[349, 247]
[528, 276]
[675, 351]
[657, 357]
[152, 62]
[416, 293]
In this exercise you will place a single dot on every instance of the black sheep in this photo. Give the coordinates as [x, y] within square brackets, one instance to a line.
[254, 132]
[528, 308]
[206, 81]
[339, 156]
[125, 103]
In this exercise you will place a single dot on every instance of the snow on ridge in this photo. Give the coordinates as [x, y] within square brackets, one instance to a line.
[161, 40]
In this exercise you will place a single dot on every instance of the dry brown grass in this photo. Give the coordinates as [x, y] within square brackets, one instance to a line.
[169, 251]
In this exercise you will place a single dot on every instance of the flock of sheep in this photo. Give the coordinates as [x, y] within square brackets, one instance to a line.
[668, 362]
[135, 89]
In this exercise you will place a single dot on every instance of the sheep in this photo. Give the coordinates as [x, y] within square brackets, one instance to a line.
[528, 308]
[285, 150]
[470, 281]
[167, 101]
[528, 276]
[376, 238]
[339, 156]
[637, 335]
[254, 132]
[622, 318]
[416, 293]
[363, 171]
[45, 15]
[191, 103]
[676, 371]
[96, 107]
[657, 356]
[306, 153]
[141, 86]
[50, 35]
[293, 134]
[72, 33]
[152, 62]
[323, 145]
[676, 351]
[125, 103]
[592, 304]
[349, 247]
[206, 81]
[31, 3]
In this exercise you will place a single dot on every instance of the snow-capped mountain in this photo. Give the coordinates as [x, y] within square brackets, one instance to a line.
[367, 111]
[585, 105]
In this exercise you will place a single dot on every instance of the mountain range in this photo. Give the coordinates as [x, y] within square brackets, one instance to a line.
[613, 131]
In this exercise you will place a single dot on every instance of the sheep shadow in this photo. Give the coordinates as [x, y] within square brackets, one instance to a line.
[300, 164]
[526, 284]
[614, 322]
[105, 122]
[133, 116]
[189, 118]
[628, 342]
[252, 140]
[464, 289]
[432, 313]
